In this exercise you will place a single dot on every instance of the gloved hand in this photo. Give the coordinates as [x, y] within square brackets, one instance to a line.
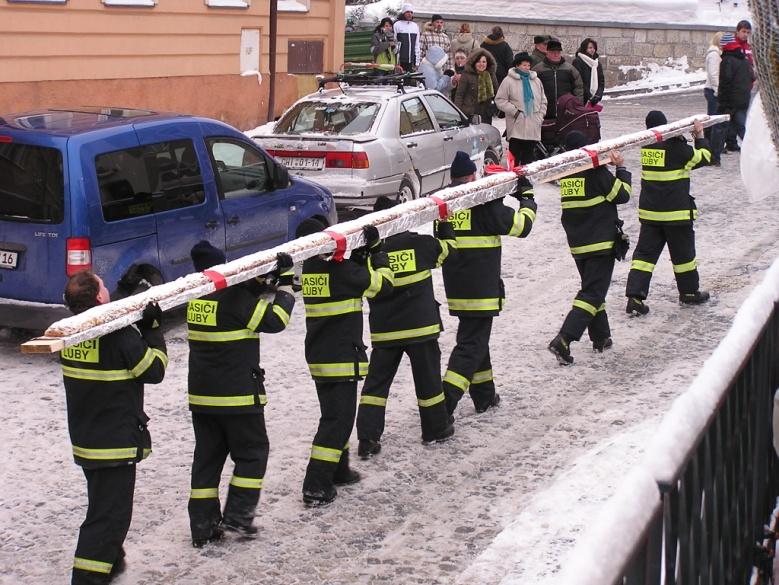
[523, 186]
[152, 317]
[528, 203]
[284, 263]
[372, 238]
[443, 230]
[379, 260]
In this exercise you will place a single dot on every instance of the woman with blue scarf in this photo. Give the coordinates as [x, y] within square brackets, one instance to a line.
[522, 97]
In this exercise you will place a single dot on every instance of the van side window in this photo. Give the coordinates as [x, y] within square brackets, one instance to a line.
[31, 183]
[241, 170]
[149, 179]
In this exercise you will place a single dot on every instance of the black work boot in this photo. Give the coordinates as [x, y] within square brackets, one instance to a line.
[217, 533]
[319, 496]
[561, 349]
[697, 298]
[239, 527]
[444, 435]
[636, 307]
[367, 448]
[600, 345]
[491, 404]
[344, 474]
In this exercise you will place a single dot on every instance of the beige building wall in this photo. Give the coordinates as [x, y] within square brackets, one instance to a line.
[179, 55]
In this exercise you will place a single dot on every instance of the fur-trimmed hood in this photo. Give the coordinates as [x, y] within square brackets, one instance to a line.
[514, 75]
[470, 64]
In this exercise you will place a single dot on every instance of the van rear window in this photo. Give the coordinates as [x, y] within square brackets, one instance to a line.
[149, 179]
[31, 183]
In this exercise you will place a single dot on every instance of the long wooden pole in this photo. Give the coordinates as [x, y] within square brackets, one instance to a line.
[103, 319]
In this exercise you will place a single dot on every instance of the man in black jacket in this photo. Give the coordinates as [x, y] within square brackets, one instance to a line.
[104, 380]
[558, 77]
[589, 202]
[496, 44]
[666, 211]
[227, 396]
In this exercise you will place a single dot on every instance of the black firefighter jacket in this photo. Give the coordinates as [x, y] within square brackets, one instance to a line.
[589, 202]
[472, 276]
[333, 293]
[224, 347]
[104, 380]
[665, 181]
[410, 313]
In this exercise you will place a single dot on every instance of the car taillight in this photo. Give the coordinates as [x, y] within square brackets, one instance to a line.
[347, 160]
[6, 140]
[78, 255]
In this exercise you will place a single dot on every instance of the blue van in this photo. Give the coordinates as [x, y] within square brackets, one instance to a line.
[106, 188]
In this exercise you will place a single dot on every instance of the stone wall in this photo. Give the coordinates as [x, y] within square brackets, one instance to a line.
[618, 46]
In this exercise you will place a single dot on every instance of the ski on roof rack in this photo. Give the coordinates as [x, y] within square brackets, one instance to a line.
[373, 74]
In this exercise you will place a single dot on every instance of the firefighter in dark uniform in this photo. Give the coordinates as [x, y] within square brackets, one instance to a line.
[333, 293]
[474, 289]
[104, 380]
[589, 202]
[227, 395]
[406, 321]
[667, 211]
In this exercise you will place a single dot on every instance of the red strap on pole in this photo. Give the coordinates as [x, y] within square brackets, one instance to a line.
[443, 210]
[658, 135]
[519, 171]
[218, 279]
[340, 245]
[593, 156]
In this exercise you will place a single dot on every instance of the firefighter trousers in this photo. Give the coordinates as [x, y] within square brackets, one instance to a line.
[243, 437]
[110, 491]
[589, 306]
[470, 368]
[425, 361]
[330, 449]
[651, 241]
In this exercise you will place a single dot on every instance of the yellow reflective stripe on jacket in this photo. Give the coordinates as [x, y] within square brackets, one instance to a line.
[474, 304]
[585, 306]
[457, 380]
[406, 333]
[583, 203]
[281, 314]
[377, 277]
[446, 247]
[686, 267]
[428, 402]
[105, 454]
[680, 215]
[337, 369]
[250, 483]
[162, 355]
[222, 336]
[144, 364]
[333, 308]
[92, 566]
[697, 157]
[674, 175]
[258, 314]
[227, 401]
[602, 308]
[98, 375]
[618, 184]
[412, 278]
[467, 242]
[204, 493]
[641, 265]
[373, 400]
[482, 377]
[325, 454]
[597, 247]
[519, 221]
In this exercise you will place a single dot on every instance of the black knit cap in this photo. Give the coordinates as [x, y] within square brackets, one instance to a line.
[309, 226]
[574, 140]
[436, 17]
[520, 57]
[655, 118]
[554, 45]
[540, 39]
[204, 256]
[462, 165]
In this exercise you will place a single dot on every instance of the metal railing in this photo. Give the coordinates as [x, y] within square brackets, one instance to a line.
[709, 482]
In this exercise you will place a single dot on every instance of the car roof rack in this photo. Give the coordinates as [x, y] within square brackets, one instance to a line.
[369, 74]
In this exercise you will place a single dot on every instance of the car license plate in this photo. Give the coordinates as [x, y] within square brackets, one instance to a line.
[295, 163]
[8, 259]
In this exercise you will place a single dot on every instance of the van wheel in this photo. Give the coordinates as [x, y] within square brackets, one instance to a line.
[406, 192]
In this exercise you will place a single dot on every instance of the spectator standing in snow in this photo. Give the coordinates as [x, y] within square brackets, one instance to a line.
[477, 86]
[383, 44]
[435, 36]
[589, 202]
[407, 36]
[712, 60]
[433, 68]
[743, 30]
[496, 44]
[104, 381]
[460, 57]
[521, 96]
[464, 41]
[539, 50]
[734, 93]
[558, 77]
[590, 69]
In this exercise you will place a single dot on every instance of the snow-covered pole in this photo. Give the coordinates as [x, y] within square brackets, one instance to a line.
[103, 319]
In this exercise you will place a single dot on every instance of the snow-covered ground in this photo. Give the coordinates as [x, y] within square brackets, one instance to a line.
[501, 502]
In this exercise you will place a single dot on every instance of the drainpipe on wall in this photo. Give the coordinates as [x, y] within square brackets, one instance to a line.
[274, 13]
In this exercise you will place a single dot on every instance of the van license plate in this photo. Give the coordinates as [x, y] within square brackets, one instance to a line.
[294, 163]
[8, 259]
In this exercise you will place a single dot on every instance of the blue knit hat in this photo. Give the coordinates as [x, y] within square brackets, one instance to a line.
[727, 38]
[462, 165]
[204, 256]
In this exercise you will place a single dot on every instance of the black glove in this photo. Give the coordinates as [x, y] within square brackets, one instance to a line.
[594, 99]
[152, 317]
[621, 241]
[528, 203]
[379, 260]
[372, 238]
[524, 189]
[287, 279]
[284, 263]
[443, 230]
[449, 72]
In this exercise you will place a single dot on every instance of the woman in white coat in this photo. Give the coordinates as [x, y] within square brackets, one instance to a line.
[521, 96]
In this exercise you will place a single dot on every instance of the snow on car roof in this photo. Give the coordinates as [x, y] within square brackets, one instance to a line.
[362, 93]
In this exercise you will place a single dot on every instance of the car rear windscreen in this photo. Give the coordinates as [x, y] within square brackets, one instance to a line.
[327, 117]
[31, 183]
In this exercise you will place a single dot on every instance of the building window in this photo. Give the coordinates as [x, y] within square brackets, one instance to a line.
[130, 2]
[294, 5]
[228, 3]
